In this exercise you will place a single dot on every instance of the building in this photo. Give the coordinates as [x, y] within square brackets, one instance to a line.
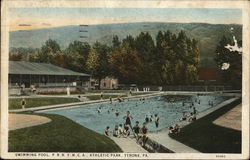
[208, 75]
[44, 77]
[106, 83]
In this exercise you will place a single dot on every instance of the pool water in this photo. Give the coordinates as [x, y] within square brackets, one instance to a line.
[169, 110]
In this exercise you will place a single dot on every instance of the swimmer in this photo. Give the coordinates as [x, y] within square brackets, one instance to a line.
[116, 131]
[151, 118]
[110, 99]
[116, 113]
[184, 116]
[194, 110]
[126, 130]
[144, 131]
[120, 129]
[156, 121]
[106, 131]
[128, 118]
[99, 110]
[147, 119]
[136, 130]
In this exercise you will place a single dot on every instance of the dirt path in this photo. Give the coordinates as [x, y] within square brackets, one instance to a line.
[17, 121]
[231, 119]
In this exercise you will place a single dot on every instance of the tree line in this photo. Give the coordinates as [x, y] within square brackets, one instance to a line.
[233, 74]
[172, 59]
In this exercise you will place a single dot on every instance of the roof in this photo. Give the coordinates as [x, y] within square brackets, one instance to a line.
[208, 73]
[33, 68]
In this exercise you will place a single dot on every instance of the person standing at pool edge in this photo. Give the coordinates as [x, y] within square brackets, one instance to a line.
[101, 95]
[23, 103]
[144, 131]
[136, 130]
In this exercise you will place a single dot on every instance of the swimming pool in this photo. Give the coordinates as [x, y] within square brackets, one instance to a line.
[168, 107]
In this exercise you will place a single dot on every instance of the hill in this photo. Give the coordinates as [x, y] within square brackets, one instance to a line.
[208, 35]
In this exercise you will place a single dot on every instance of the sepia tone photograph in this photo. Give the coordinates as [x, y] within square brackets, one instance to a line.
[113, 81]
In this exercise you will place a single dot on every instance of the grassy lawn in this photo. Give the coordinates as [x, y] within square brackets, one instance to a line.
[15, 103]
[207, 137]
[60, 135]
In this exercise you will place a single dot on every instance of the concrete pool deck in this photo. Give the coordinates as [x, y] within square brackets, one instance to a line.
[128, 145]
[231, 119]
[18, 121]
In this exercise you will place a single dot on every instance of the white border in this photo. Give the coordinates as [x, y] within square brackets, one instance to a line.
[245, 5]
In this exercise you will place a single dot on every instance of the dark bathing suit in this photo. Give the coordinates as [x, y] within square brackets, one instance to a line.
[128, 121]
[136, 129]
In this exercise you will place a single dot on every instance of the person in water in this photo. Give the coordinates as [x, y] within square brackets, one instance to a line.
[128, 118]
[184, 116]
[116, 113]
[106, 131]
[147, 119]
[151, 118]
[156, 121]
[99, 110]
[110, 99]
[194, 112]
[120, 99]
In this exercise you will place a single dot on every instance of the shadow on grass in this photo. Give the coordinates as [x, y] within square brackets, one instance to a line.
[60, 135]
[207, 137]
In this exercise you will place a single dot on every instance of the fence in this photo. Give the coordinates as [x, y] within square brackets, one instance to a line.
[210, 88]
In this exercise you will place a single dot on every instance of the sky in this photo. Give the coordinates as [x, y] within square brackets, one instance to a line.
[34, 18]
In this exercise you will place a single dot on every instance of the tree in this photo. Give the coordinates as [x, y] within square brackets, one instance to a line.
[77, 54]
[47, 52]
[233, 74]
[93, 63]
[97, 62]
[125, 64]
[130, 41]
[145, 47]
[116, 43]
[15, 57]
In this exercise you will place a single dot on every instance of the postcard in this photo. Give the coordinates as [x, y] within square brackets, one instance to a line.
[125, 79]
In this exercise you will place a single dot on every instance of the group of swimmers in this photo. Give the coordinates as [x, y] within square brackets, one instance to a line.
[174, 129]
[140, 133]
[189, 118]
[153, 119]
